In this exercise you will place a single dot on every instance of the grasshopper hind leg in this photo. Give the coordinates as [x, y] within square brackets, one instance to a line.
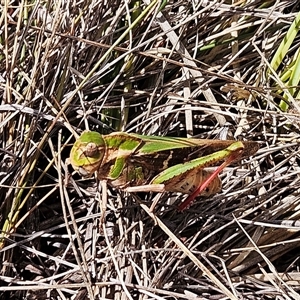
[190, 181]
[212, 185]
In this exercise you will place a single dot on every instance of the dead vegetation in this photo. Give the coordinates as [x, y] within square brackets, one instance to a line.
[186, 69]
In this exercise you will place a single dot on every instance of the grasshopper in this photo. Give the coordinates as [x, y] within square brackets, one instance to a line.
[136, 162]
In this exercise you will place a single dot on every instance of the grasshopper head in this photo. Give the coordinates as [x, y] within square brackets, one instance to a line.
[87, 153]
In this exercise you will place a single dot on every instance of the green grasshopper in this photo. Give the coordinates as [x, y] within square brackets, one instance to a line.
[136, 162]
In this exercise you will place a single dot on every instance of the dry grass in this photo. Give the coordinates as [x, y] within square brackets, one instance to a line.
[197, 70]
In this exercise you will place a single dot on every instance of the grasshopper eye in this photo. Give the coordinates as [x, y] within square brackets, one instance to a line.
[91, 150]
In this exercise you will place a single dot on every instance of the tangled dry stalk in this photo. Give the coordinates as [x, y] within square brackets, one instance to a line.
[186, 68]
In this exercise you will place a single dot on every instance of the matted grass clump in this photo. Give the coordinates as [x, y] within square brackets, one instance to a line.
[209, 69]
